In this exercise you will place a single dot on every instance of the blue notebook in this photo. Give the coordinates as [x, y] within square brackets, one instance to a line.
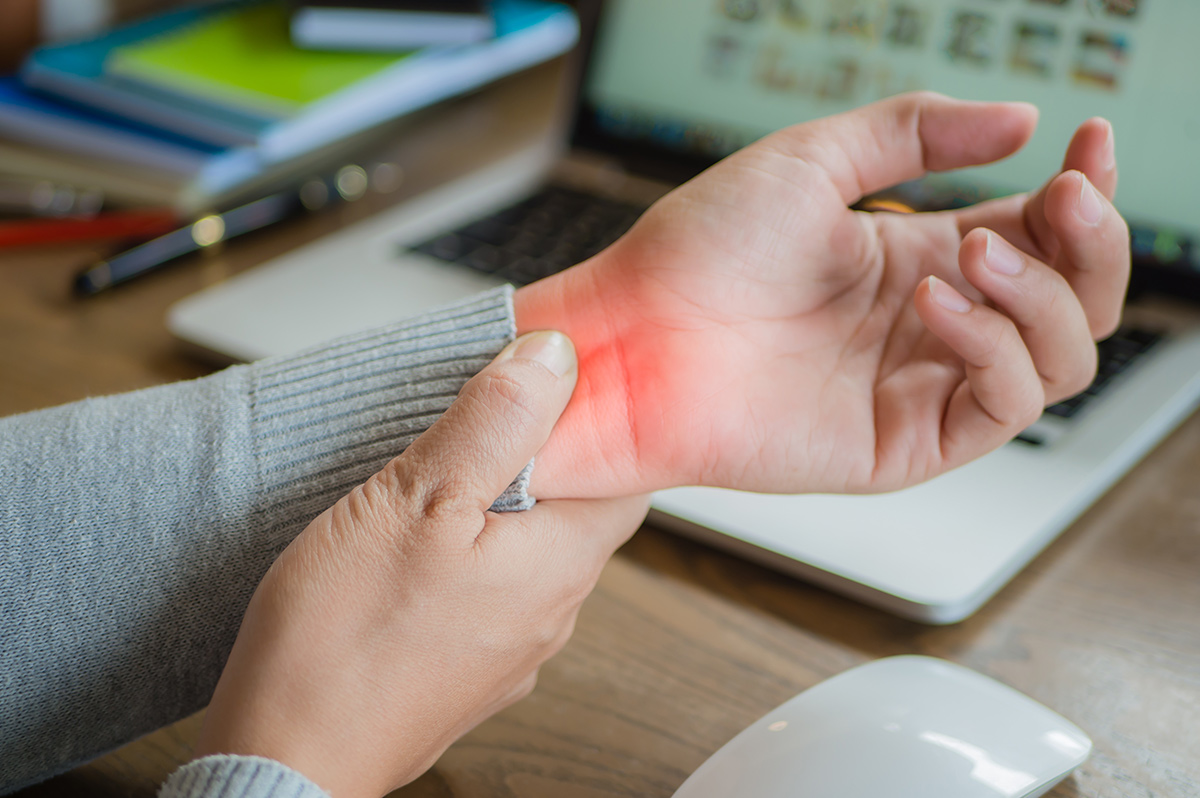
[28, 118]
[528, 32]
[75, 72]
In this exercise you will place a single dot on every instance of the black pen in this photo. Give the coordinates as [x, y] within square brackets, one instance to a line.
[349, 183]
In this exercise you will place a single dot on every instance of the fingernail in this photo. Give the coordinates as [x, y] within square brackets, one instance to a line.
[1110, 149]
[947, 297]
[1089, 208]
[552, 349]
[1001, 258]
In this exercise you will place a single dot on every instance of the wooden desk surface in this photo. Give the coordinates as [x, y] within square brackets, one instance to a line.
[681, 647]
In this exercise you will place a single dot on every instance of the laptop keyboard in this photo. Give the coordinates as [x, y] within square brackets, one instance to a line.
[1117, 354]
[559, 227]
[552, 230]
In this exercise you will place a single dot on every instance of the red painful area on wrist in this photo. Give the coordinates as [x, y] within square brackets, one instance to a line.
[593, 450]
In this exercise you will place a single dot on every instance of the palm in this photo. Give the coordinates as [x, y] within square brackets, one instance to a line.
[824, 377]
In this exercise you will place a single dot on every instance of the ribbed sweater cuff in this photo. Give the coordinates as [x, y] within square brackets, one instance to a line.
[326, 420]
[238, 777]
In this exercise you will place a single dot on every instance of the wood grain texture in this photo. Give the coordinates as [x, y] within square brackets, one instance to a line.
[680, 647]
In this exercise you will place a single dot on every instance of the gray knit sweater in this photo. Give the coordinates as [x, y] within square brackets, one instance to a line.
[134, 529]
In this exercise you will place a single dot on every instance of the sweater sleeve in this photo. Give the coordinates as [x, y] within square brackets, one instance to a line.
[238, 777]
[134, 528]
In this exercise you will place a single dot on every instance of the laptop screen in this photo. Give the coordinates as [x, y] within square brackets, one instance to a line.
[685, 82]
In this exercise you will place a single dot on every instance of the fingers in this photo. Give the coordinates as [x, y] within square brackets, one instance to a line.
[1002, 394]
[1079, 232]
[1040, 302]
[1093, 248]
[500, 419]
[900, 138]
[1091, 151]
[572, 531]
[1022, 219]
[559, 548]
[1037, 345]
[1072, 224]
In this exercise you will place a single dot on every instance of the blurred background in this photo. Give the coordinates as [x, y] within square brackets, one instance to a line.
[121, 120]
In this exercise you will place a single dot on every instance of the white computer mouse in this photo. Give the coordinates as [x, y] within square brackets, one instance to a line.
[901, 727]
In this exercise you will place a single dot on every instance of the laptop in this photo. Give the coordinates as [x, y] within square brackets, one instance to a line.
[669, 87]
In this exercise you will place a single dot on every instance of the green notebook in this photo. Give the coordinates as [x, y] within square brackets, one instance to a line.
[245, 59]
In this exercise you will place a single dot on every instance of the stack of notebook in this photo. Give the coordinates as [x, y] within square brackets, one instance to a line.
[204, 106]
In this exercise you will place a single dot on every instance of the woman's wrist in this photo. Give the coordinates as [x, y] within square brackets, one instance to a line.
[593, 449]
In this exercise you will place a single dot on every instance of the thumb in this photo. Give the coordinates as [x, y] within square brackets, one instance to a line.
[499, 421]
[900, 138]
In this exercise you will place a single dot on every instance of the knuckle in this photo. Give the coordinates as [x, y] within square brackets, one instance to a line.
[407, 494]
[1029, 406]
[381, 496]
[498, 393]
[912, 110]
[914, 101]
[382, 519]
[999, 341]
[445, 502]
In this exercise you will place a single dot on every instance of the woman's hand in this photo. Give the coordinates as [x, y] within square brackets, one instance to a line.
[408, 612]
[751, 331]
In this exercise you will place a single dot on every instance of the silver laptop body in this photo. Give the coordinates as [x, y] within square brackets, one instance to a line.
[664, 93]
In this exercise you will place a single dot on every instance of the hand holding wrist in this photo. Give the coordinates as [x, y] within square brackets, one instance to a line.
[408, 613]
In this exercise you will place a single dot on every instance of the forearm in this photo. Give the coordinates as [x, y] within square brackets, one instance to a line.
[133, 529]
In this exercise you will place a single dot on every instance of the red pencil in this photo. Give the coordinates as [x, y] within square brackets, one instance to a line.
[113, 224]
